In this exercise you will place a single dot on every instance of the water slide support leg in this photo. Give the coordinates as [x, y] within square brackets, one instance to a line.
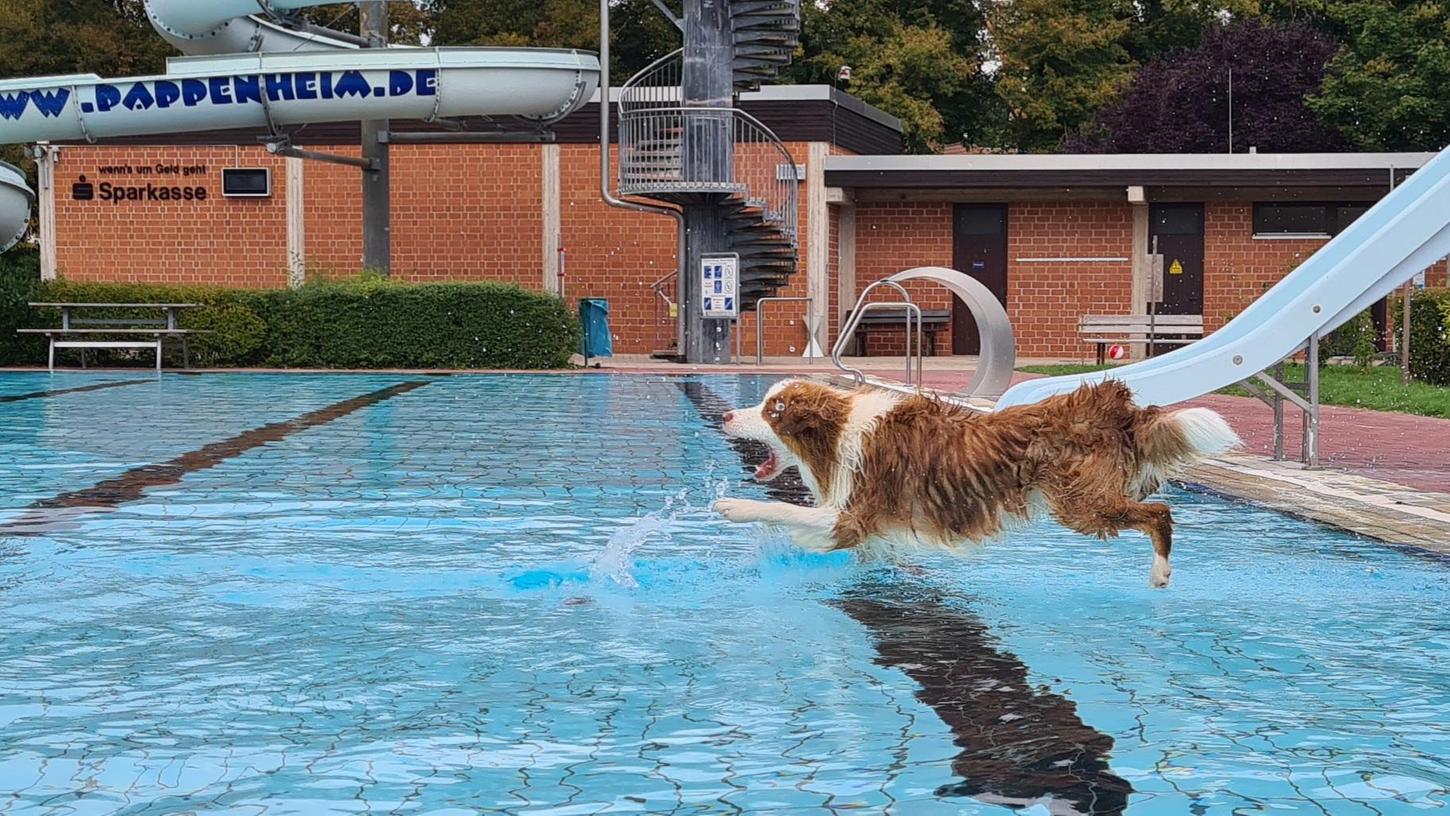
[376, 181]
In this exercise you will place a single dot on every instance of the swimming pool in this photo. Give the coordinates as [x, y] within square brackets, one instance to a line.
[408, 594]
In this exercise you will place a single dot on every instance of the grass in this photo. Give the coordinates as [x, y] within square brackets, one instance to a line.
[1379, 389]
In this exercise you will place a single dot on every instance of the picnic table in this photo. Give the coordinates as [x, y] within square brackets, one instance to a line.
[87, 332]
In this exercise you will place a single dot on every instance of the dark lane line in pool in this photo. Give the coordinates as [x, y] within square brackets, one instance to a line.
[134, 483]
[1020, 744]
[78, 389]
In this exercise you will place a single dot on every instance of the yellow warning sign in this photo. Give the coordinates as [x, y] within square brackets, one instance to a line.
[1176, 268]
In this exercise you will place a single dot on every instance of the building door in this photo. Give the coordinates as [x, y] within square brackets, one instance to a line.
[979, 248]
[1178, 229]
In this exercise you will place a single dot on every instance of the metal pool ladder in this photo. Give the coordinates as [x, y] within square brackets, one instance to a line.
[999, 345]
[862, 307]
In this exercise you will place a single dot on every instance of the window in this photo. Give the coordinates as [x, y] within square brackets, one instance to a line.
[244, 182]
[1304, 220]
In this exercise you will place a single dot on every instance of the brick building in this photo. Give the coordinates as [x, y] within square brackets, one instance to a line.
[1055, 236]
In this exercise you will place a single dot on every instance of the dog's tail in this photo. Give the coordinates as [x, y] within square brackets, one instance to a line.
[1167, 440]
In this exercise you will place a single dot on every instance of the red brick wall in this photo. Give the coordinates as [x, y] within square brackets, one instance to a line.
[1238, 268]
[614, 254]
[460, 213]
[228, 242]
[892, 237]
[333, 217]
[1045, 299]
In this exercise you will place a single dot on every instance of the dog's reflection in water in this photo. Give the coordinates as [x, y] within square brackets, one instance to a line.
[1021, 745]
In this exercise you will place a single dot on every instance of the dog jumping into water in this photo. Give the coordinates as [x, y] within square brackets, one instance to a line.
[885, 467]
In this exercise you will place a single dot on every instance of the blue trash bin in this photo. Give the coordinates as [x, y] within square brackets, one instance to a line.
[594, 319]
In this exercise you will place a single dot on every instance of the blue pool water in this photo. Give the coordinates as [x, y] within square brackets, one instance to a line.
[278, 594]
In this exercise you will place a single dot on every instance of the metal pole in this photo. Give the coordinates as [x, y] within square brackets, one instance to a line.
[1311, 416]
[708, 150]
[1230, 110]
[377, 180]
[607, 195]
[1278, 405]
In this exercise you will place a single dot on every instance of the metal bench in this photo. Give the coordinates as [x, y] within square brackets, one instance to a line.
[116, 332]
[1155, 330]
[933, 322]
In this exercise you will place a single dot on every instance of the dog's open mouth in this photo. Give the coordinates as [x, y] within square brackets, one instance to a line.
[769, 469]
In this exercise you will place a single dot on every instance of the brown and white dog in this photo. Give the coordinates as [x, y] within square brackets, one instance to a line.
[889, 469]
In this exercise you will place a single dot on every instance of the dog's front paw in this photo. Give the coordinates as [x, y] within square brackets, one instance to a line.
[735, 510]
[1162, 573]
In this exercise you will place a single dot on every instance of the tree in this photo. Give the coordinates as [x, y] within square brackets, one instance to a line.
[1164, 26]
[640, 34]
[408, 23]
[1179, 103]
[920, 60]
[106, 37]
[1386, 89]
[1061, 60]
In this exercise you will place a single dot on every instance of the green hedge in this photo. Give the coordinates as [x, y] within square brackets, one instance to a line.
[1356, 339]
[19, 285]
[358, 324]
[1429, 334]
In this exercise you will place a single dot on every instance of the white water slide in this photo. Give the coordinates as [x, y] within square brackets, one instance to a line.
[1407, 231]
[15, 201]
[248, 71]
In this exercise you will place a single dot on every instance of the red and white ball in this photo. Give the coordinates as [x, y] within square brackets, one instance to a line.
[1117, 352]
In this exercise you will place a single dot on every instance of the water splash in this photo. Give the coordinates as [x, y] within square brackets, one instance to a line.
[616, 562]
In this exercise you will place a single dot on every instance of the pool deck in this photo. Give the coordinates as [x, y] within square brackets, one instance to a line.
[1384, 475]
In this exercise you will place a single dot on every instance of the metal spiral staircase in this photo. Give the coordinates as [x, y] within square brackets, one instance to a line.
[686, 155]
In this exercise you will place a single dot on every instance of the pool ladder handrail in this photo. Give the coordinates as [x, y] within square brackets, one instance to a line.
[862, 307]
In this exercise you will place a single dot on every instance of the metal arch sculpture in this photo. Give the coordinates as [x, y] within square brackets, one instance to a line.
[999, 345]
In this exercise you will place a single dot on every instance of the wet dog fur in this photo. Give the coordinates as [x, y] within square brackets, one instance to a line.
[886, 469]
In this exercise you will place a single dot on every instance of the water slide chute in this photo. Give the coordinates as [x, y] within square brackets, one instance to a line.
[251, 66]
[15, 201]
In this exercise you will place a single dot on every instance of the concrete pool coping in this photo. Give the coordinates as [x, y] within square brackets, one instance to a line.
[1370, 507]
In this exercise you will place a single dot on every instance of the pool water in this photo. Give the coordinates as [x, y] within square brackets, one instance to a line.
[404, 594]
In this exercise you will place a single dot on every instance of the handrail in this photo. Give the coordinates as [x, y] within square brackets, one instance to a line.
[652, 159]
[862, 307]
[605, 193]
[641, 82]
[760, 321]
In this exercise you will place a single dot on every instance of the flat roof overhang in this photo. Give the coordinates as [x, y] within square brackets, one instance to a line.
[1109, 176]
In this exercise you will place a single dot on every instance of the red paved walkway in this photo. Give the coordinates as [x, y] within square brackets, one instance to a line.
[1401, 448]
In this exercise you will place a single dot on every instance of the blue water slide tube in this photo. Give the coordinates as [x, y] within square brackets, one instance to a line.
[1407, 231]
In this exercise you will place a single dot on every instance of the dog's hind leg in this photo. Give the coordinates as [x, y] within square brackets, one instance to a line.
[809, 527]
[1106, 516]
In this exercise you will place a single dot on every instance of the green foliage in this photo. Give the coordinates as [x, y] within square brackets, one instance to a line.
[1385, 90]
[407, 22]
[19, 285]
[640, 33]
[920, 61]
[1062, 60]
[1429, 334]
[388, 325]
[1166, 26]
[1355, 338]
[359, 324]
